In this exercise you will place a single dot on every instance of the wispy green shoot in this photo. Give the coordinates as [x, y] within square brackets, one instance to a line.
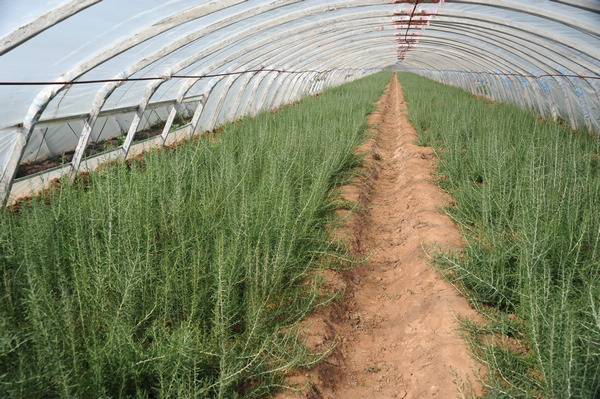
[184, 274]
[527, 199]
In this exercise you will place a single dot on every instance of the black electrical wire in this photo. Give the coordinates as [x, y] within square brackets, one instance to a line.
[519, 74]
[212, 75]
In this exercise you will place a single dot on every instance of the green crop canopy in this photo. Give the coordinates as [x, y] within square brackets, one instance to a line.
[86, 81]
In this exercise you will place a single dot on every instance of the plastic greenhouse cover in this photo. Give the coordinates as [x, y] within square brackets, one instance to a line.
[16, 14]
[540, 54]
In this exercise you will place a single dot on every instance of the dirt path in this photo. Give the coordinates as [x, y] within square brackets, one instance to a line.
[396, 328]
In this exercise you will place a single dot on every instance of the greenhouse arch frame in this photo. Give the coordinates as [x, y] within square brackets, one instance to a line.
[114, 67]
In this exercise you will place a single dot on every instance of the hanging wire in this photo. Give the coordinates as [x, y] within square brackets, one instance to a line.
[211, 75]
[519, 74]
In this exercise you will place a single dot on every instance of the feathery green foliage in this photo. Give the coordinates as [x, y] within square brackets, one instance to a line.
[527, 199]
[185, 274]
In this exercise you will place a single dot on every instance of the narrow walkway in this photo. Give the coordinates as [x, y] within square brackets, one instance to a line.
[396, 328]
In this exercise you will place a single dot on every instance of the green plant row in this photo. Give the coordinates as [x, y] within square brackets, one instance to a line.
[183, 274]
[527, 200]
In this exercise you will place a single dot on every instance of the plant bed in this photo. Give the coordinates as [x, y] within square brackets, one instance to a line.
[184, 273]
[526, 198]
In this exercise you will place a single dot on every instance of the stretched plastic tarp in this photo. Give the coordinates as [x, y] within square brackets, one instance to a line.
[76, 74]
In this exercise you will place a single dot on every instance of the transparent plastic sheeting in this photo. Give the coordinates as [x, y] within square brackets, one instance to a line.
[542, 56]
[502, 49]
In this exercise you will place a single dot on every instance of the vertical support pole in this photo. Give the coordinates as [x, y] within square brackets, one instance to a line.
[200, 108]
[89, 123]
[251, 108]
[197, 113]
[300, 89]
[14, 158]
[269, 82]
[569, 103]
[244, 86]
[213, 121]
[150, 90]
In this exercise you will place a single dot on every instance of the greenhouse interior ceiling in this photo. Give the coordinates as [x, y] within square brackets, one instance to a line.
[87, 81]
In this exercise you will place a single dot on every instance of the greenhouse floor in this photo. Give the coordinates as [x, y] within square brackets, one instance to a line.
[397, 329]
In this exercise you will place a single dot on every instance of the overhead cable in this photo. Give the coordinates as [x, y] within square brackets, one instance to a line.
[211, 75]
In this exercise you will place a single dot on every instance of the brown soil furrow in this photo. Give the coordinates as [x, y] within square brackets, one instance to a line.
[396, 329]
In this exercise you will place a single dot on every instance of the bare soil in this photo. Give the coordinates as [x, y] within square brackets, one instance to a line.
[396, 330]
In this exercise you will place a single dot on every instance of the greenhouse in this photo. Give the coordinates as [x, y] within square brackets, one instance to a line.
[310, 199]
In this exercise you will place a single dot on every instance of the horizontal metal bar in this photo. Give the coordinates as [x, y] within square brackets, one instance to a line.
[112, 111]
[33, 184]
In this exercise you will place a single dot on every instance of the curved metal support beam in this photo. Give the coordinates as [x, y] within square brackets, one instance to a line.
[109, 88]
[43, 22]
[468, 22]
[571, 107]
[277, 41]
[296, 46]
[463, 39]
